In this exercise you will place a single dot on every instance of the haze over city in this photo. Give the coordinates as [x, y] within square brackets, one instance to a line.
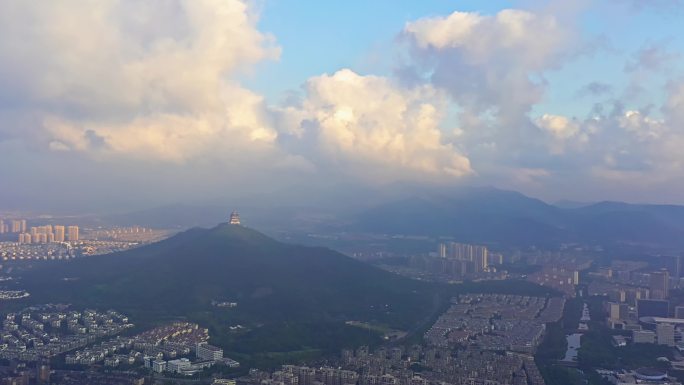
[127, 105]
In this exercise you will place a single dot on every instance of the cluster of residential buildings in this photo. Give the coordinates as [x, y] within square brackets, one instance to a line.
[14, 251]
[563, 278]
[630, 281]
[128, 234]
[618, 292]
[42, 332]
[475, 254]
[457, 261]
[21, 374]
[640, 301]
[482, 339]
[12, 226]
[162, 349]
[49, 234]
[413, 366]
[557, 270]
[57, 242]
[78, 377]
[104, 351]
[643, 376]
[206, 356]
[495, 322]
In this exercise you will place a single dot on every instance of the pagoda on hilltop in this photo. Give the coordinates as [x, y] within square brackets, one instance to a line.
[234, 218]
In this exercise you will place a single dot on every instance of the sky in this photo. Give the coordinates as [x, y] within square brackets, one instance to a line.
[121, 104]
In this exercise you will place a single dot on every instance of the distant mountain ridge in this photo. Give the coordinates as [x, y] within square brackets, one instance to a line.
[489, 215]
[483, 215]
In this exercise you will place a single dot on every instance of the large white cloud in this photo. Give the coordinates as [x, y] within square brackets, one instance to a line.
[372, 127]
[158, 81]
[494, 67]
[529, 39]
[152, 79]
[490, 64]
[635, 149]
[562, 132]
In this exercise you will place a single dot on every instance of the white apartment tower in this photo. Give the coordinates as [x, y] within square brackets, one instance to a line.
[72, 233]
[209, 352]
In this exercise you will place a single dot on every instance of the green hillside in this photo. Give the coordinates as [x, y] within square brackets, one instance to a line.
[290, 298]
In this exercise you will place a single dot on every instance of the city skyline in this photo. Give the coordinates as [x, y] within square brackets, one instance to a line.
[535, 96]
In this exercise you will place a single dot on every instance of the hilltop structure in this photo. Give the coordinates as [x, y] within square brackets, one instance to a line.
[234, 218]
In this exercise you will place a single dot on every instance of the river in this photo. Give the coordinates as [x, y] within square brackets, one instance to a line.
[574, 340]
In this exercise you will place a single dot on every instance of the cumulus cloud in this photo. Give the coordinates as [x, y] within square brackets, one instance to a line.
[562, 132]
[637, 148]
[158, 82]
[494, 69]
[560, 127]
[154, 80]
[493, 64]
[641, 126]
[533, 38]
[370, 126]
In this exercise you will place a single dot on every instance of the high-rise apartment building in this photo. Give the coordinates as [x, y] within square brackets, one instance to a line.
[178, 365]
[2, 226]
[41, 238]
[660, 284]
[643, 337]
[678, 266]
[159, 366]
[23, 225]
[72, 233]
[59, 233]
[618, 311]
[478, 255]
[442, 250]
[209, 352]
[679, 312]
[16, 226]
[481, 258]
[665, 334]
[25, 238]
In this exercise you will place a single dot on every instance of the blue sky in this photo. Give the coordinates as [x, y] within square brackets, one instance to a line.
[320, 37]
[323, 36]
